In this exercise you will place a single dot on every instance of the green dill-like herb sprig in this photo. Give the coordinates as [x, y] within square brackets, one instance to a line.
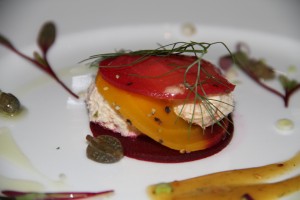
[197, 49]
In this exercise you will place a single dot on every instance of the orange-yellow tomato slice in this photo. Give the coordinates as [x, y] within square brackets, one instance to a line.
[154, 118]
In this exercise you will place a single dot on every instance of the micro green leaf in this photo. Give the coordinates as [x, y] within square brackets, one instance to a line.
[287, 84]
[258, 67]
[4, 41]
[46, 36]
[39, 59]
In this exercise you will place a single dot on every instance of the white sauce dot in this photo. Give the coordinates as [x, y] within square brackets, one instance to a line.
[284, 124]
[188, 29]
[167, 35]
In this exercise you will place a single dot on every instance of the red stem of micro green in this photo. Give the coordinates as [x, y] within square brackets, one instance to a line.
[285, 97]
[270, 89]
[46, 68]
[288, 94]
[47, 196]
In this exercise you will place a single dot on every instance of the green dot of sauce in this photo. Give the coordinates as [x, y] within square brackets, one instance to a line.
[163, 188]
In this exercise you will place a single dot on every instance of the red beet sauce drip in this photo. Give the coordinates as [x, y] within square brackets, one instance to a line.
[146, 149]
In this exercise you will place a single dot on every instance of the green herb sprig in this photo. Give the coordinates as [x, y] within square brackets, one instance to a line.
[176, 48]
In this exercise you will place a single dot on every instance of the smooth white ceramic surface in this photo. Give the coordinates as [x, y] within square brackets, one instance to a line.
[56, 120]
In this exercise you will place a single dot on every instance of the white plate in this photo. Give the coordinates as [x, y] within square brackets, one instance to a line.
[52, 133]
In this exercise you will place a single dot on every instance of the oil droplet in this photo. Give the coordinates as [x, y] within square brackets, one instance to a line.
[27, 185]
[10, 151]
[284, 124]
[18, 116]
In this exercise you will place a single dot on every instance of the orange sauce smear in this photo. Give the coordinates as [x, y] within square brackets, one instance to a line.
[242, 184]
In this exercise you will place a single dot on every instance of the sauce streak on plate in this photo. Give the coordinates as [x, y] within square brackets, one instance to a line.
[248, 184]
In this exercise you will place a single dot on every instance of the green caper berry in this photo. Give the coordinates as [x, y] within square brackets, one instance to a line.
[9, 104]
[104, 149]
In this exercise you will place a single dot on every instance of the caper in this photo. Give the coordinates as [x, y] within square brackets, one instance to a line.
[9, 104]
[104, 149]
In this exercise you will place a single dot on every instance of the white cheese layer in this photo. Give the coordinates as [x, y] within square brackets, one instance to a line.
[207, 112]
[101, 113]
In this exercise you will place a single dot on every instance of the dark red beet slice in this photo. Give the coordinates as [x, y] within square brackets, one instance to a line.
[146, 149]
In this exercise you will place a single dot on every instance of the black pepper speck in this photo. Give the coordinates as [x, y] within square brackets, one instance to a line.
[167, 109]
[128, 122]
[157, 120]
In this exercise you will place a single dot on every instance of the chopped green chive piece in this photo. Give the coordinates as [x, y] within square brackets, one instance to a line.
[163, 188]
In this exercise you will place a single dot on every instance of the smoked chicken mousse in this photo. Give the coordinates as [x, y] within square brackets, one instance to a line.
[163, 108]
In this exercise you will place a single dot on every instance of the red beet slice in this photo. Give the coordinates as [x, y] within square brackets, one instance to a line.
[146, 149]
[153, 76]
